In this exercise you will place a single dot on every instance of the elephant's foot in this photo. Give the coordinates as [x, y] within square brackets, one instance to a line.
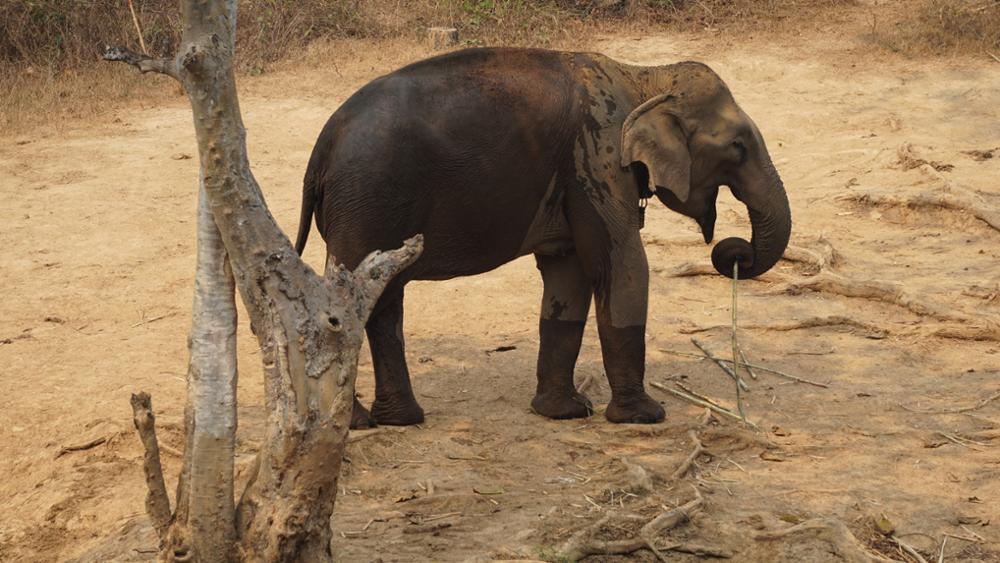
[636, 409]
[360, 419]
[560, 405]
[404, 412]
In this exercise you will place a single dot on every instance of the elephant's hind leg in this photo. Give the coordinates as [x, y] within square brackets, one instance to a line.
[565, 303]
[394, 401]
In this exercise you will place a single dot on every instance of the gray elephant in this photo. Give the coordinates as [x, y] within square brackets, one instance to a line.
[493, 154]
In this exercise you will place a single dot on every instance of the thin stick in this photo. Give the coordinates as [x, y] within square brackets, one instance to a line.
[994, 57]
[693, 393]
[944, 542]
[157, 502]
[138, 30]
[973, 534]
[963, 538]
[977, 406]
[764, 369]
[701, 403]
[80, 447]
[912, 552]
[736, 353]
[721, 364]
[152, 320]
[746, 364]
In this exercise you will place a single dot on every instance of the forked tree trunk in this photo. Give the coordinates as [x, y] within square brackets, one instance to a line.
[310, 330]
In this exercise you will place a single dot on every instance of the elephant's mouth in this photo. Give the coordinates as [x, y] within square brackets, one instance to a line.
[700, 207]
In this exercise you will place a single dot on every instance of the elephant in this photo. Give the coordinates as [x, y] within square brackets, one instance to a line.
[496, 153]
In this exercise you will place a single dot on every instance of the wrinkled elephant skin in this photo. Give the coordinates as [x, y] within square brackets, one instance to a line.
[493, 154]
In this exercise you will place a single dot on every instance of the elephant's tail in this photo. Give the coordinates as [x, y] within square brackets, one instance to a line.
[305, 218]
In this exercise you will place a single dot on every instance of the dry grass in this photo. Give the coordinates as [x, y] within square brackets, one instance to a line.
[943, 28]
[49, 49]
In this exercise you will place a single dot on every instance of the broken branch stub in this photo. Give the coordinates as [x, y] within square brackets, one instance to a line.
[157, 502]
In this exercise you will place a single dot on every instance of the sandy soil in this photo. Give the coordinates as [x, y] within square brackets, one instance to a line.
[98, 232]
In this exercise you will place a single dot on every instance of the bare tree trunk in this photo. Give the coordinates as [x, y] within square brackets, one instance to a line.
[310, 330]
[204, 520]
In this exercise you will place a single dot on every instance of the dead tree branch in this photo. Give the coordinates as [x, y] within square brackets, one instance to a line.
[143, 62]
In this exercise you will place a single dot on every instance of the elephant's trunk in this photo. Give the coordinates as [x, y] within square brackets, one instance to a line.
[771, 221]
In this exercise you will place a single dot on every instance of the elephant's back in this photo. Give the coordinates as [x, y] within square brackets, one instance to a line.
[461, 148]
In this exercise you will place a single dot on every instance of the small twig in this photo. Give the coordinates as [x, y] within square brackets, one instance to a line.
[908, 549]
[973, 534]
[746, 364]
[944, 542]
[739, 381]
[963, 538]
[977, 406]
[157, 502]
[152, 320]
[693, 393]
[440, 516]
[994, 57]
[138, 30]
[962, 441]
[701, 403]
[467, 457]
[81, 447]
[755, 366]
[358, 435]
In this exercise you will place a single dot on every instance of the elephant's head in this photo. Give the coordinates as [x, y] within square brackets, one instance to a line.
[692, 138]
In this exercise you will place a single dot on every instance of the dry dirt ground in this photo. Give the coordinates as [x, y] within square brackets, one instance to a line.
[97, 230]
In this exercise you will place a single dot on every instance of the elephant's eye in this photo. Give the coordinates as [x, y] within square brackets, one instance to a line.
[741, 150]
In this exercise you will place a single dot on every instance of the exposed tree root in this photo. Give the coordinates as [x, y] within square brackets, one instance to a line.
[690, 269]
[82, 447]
[950, 198]
[832, 531]
[584, 543]
[970, 327]
[698, 450]
[816, 257]
[811, 322]
[957, 410]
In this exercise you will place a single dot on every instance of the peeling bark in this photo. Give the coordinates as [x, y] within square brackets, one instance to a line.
[205, 515]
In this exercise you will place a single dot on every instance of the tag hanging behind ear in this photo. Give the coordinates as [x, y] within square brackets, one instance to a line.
[642, 212]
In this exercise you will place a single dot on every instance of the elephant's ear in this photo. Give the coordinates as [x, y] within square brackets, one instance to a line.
[653, 135]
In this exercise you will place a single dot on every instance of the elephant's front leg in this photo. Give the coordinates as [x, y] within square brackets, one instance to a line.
[565, 303]
[621, 291]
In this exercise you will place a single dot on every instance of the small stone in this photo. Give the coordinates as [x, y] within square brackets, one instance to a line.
[180, 156]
